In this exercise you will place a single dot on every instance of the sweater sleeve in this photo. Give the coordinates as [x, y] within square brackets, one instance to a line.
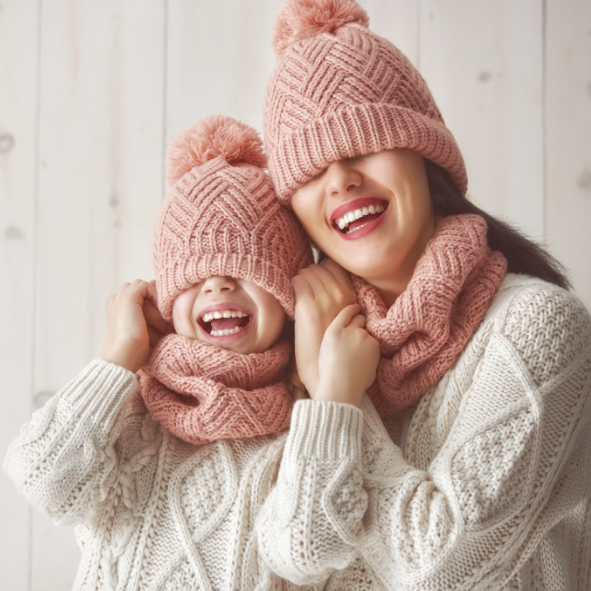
[310, 524]
[513, 463]
[65, 458]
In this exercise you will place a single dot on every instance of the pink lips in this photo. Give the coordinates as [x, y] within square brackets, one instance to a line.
[369, 227]
[219, 307]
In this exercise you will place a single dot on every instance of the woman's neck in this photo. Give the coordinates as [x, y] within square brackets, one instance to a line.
[390, 281]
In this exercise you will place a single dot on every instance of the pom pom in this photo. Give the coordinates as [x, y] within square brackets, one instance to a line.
[209, 138]
[301, 19]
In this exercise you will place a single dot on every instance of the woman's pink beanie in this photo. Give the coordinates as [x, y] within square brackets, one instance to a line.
[221, 216]
[340, 91]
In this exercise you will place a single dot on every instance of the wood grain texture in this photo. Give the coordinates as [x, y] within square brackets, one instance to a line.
[398, 21]
[92, 92]
[568, 137]
[18, 152]
[100, 188]
[483, 62]
[219, 57]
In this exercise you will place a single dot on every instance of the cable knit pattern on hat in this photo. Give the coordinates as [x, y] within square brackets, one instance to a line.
[340, 91]
[203, 393]
[428, 326]
[221, 216]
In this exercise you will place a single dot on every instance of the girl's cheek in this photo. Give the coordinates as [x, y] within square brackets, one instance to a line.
[182, 319]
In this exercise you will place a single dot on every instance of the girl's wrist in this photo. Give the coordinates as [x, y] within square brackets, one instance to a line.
[338, 390]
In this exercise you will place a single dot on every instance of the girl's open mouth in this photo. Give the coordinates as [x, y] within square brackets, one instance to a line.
[225, 322]
[359, 217]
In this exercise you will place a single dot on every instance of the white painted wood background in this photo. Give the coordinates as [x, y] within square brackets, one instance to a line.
[91, 92]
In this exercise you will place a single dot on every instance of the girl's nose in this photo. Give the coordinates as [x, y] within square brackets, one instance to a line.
[218, 284]
[341, 176]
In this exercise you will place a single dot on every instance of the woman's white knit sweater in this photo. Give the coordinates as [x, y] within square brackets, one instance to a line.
[485, 484]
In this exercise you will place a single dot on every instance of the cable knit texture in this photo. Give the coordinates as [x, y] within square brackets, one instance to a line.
[427, 327]
[483, 485]
[340, 91]
[203, 393]
[221, 216]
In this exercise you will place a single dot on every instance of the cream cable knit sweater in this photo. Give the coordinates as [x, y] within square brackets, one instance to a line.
[151, 511]
[484, 485]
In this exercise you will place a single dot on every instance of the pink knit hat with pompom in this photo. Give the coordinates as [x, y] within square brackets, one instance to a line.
[340, 91]
[221, 216]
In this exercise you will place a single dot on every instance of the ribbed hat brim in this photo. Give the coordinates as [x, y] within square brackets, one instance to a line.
[182, 273]
[357, 130]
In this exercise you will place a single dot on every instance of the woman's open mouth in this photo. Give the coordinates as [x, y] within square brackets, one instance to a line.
[222, 321]
[359, 217]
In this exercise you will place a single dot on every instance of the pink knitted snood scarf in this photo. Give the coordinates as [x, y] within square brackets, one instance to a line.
[203, 393]
[429, 324]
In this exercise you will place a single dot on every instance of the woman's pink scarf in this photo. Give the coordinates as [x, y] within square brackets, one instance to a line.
[203, 393]
[429, 324]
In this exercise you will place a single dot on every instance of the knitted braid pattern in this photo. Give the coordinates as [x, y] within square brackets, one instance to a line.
[220, 219]
[345, 92]
[122, 507]
[203, 393]
[426, 329]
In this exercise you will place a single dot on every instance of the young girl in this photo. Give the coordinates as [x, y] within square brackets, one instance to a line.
[468, 466]
[126, 462]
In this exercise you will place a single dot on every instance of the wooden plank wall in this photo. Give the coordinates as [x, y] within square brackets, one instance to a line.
[91, 93]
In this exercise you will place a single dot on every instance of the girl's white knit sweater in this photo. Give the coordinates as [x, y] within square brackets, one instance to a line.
[485, 484]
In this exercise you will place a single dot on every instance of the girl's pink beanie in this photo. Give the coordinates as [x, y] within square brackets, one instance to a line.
[221, 216]
[340, 91]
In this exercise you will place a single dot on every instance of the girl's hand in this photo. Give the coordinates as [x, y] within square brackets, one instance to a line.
[134, 325]
[348, 359]
[321, 292]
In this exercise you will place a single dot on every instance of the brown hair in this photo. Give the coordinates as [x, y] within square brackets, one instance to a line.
[524, 256]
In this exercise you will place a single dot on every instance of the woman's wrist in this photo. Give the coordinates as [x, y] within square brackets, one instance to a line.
[123, 357]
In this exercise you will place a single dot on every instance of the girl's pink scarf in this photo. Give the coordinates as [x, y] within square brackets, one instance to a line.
[429, 324]
[203, 393]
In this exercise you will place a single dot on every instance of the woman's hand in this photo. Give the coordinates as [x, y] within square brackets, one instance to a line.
[321, 292]
[348, 359]
[134, 325]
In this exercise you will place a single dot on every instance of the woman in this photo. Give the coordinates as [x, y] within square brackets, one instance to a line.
[468, 464]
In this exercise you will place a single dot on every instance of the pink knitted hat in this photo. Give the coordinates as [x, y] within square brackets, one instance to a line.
[221, 216]
[340, 91]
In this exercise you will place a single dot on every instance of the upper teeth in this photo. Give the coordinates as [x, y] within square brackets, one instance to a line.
[223, 314]
[356, 214]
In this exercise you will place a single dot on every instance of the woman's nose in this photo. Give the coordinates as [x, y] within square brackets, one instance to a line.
[341, 177]
[218, 284]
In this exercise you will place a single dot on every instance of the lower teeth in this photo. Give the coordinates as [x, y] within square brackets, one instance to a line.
[355, 229]
[225, 333]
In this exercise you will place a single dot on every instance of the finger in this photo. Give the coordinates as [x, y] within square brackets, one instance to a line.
[154, 319]
[301, 288]
[358, 321]
[341, 276]
[338, 272]
[331, 284]
[345, 316]
[155, 336]
[328, 279]
[152, 295]
[144, 291]
[120, 292]
[315, 282]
